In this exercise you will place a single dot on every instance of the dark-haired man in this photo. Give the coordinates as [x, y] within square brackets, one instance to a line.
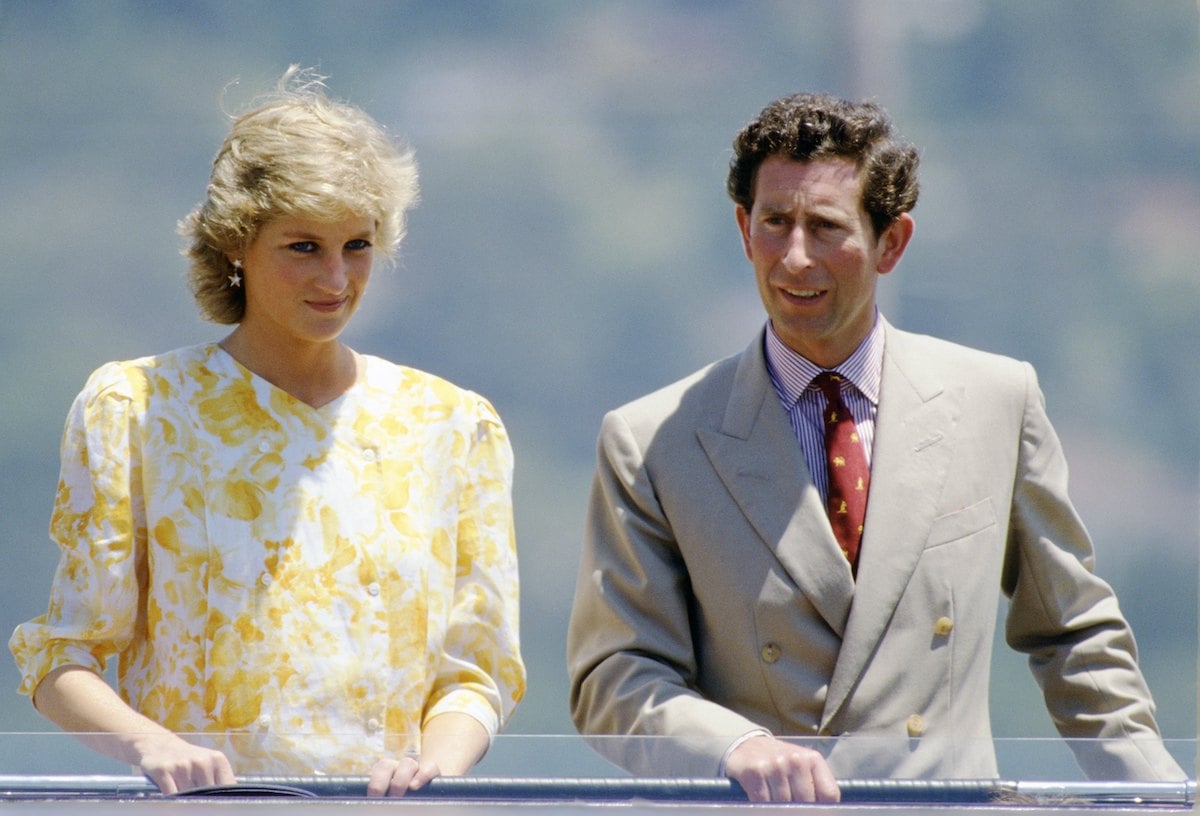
[807, 539]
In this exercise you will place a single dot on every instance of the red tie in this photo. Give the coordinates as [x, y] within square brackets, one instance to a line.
[849, 476]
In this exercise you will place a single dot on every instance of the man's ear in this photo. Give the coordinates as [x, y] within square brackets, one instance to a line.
[742, 216]
[893, 242]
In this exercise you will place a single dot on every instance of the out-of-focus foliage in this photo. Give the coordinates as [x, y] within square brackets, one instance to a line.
[574, 247]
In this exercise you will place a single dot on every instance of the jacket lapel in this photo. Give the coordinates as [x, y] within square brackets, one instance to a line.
[912, 449]
[758, 459]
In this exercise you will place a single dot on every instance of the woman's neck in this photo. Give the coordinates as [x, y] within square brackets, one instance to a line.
[315, 374]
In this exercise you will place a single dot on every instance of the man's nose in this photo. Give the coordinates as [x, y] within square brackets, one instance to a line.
[797, 254]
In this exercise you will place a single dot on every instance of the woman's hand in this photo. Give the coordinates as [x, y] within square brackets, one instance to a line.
[175, 765]
[451, 744]
[395, 777]
[81, 703]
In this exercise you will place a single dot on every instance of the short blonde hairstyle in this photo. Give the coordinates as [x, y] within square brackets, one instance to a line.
[297, 154]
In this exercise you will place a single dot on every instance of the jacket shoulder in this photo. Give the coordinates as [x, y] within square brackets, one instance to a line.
[698, 398]
[925, 355]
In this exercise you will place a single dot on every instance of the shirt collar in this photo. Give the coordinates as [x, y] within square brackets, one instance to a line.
[792, 374]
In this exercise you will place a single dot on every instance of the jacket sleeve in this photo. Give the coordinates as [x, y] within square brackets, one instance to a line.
[1066, 618]
[630, 652]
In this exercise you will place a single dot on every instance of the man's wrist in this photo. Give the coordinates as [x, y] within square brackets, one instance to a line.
[758, 732]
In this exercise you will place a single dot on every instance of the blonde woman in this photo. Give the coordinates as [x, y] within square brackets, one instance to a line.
[301, 557]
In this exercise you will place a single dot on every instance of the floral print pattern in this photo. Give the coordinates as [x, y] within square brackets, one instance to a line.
[304, 586]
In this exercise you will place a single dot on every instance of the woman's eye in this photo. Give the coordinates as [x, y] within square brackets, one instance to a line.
[303, 246]
[359, 243]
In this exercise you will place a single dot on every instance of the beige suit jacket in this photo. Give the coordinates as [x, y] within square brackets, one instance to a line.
[713, 600]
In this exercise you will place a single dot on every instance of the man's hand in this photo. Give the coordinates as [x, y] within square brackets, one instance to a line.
[771, 770]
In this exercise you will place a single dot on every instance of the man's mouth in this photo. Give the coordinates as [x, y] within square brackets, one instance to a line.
[803, 294]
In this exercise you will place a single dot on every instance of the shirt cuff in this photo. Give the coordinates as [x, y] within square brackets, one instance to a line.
[759, 732]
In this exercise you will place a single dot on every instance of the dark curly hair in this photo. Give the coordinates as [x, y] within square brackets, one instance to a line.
[809, 127]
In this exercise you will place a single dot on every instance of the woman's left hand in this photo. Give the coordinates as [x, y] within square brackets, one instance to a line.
[395, 777]
[451, 743]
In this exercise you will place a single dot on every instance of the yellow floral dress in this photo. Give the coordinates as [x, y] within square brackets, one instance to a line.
[304, 586]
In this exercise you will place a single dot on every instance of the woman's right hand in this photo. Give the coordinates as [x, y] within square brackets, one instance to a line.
[175, 765]
[80, 702]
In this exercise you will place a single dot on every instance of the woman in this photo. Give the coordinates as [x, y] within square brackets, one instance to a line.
[302, 553]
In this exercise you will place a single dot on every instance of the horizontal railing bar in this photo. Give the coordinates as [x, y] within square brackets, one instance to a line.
[960, 791]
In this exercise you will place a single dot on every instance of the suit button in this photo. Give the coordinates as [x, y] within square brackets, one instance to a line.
[915, 725]
[943, 626]
[770, 652]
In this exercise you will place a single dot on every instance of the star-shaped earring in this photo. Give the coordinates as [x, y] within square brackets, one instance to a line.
[235, 280]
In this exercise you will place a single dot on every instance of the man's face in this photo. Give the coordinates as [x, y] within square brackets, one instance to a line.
[815, 255]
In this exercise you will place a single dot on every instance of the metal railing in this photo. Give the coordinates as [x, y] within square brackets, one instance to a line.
[608, 789]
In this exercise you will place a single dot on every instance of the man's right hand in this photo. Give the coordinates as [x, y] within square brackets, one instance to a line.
[771, 770]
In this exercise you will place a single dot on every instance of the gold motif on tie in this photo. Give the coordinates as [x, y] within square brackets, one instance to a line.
[849, 477]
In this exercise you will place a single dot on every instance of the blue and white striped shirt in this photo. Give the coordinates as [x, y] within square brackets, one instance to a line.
[792, 376]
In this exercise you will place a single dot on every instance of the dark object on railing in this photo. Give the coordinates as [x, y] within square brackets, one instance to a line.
[608, 789]
[250, 789]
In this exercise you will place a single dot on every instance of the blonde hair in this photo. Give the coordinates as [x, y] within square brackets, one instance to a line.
[297, 154]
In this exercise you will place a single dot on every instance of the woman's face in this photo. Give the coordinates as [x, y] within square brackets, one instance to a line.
[304, 278]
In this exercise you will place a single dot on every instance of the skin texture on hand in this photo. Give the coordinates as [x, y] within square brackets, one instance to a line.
[770, 770]
[175, 765]
[79, 701]
[450, 744]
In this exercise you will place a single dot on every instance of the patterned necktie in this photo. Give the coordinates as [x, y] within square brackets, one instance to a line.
[849, 477]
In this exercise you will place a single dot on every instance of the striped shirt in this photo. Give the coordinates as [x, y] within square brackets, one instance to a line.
[793, 375]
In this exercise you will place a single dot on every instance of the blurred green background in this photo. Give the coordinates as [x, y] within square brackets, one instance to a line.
[574, 247]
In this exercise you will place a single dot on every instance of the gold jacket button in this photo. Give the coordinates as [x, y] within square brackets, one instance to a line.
[915, 725]
[943, 626]
[770, 652]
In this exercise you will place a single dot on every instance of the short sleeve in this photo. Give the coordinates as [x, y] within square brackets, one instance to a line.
[480, 671]
[98, 527]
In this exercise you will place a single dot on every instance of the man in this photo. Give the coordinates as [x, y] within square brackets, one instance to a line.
[736, 587]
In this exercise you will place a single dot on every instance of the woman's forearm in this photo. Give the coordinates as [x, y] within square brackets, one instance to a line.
[80, 702]
[454, 741]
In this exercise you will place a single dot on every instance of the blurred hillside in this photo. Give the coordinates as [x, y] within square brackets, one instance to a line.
[574, 247]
